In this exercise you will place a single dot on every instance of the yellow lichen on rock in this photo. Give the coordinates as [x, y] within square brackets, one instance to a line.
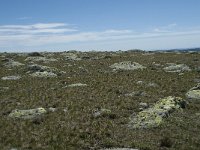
[27, 114]
[153, 117]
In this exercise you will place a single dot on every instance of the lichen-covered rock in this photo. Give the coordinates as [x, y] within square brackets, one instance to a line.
[11, 78]
[194, 93]
[153, 116]
[76, 85]
[127, 65]
[43, 59]
[11, 64]
[176, 68]
[43, 74]
[27, 114]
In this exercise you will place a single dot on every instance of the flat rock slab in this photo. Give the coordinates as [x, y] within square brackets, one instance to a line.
[176, 68]
[194, 93]
[44, 74]
[27, 114]
[11, 78]
[75, 85]
[153, 116]
[127, 65]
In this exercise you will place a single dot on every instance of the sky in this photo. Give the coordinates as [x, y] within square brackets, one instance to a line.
[59, 25]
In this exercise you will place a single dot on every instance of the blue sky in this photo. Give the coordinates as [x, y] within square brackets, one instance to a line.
[30, 25]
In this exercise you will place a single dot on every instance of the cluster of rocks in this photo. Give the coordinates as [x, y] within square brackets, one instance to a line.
[153, 116]
[43, 71]
[176, 67]
[127, 65]
[71, 56]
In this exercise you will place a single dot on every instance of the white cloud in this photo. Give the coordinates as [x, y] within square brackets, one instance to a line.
[41, 34]
[167, 28]
[23, 18]
[38, 28]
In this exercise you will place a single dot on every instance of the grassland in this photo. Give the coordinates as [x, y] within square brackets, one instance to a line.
[76, 127]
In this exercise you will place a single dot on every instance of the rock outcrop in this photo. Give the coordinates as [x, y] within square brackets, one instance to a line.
[127, 65]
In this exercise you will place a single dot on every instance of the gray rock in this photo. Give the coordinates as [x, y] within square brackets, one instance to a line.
[11, 78]
[27, 114]
[127, 65]
[194, 93]
[176, 68]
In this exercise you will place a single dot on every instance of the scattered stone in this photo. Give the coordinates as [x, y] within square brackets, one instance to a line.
[2, 89]
[119, 149]
[136, 93]
[43, 74]
[176, 68]
[140, 82]
[143, 105]
[127, 65]
[76, 85]
[102, 113]
[52, 109]
[153, 116]
[43, 59]
[27, 114]
[65, 110]
[11, 78]
[194, 93]
[197, 80]
[11, 64]
[152, 85]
